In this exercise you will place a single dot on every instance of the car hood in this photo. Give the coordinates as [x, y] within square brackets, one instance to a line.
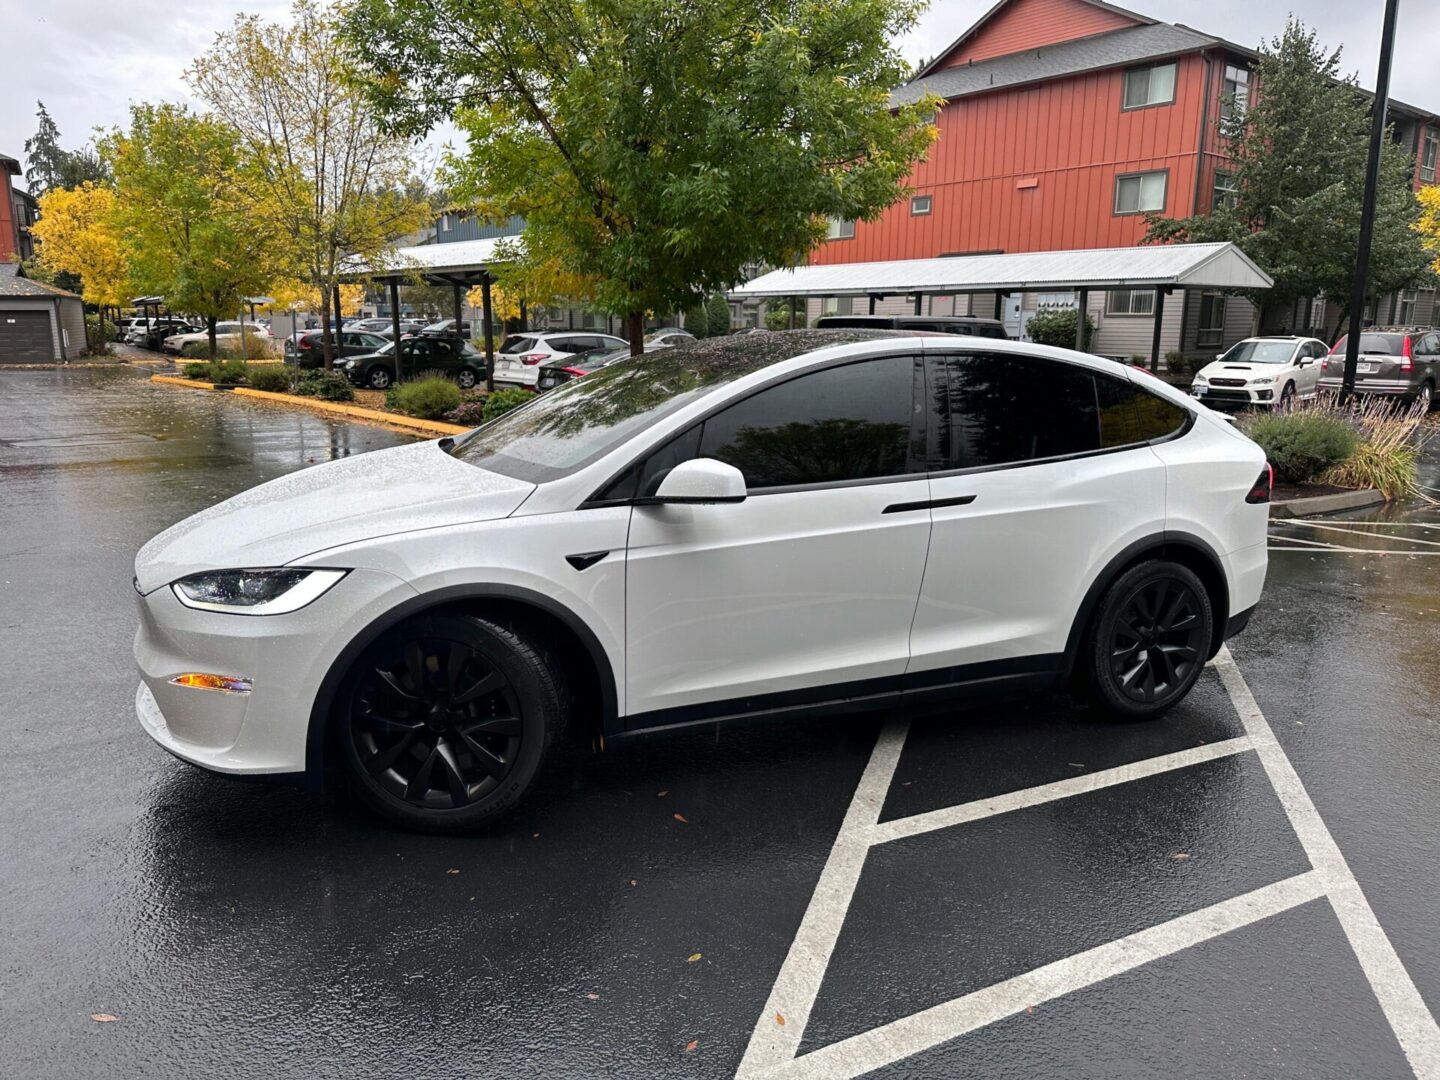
[341, 502]
[1224, 370]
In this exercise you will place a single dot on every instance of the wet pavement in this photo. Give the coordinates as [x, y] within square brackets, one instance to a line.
[1015, 888]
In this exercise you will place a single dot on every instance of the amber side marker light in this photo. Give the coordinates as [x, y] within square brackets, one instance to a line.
[226, 684]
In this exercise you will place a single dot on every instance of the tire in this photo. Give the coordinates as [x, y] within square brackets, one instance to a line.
[467, 378]
[1425, 394]
[426, 758]
[378, 378]
[1287, 396]
[1149, 640]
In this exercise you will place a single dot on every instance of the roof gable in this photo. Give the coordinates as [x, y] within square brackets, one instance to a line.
[1013, 26]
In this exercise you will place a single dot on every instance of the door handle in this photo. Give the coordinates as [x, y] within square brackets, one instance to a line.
[928, 504]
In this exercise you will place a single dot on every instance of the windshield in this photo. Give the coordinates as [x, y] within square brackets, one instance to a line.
[568, 428]
[1260, 352]
[1372, 344]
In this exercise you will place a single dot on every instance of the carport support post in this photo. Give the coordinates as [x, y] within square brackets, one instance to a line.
[458, 320]
[919, 303]
[792, 313]
[489, 331]
[395, 321]
[1155, 337]
[872, 303]
[1081, 313]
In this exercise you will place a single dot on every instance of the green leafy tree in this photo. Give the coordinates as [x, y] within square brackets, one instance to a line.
[655, 148]
[337, 186]
[717, 313]
[182, 211]
[1298, 159]
[48, 166]
[697, 320]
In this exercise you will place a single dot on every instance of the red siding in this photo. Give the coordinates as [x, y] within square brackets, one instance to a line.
[1071, 137]
[1029, 24]
[7, 220]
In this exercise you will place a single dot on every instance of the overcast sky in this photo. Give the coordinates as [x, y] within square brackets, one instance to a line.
[89, 59]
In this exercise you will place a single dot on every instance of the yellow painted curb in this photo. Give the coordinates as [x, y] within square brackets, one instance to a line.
[357, 412]
[175, 380]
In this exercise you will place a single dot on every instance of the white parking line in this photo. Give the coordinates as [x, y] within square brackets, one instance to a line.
[1412, 1022]
[1061, 789]
[1351, 530]
[775, 1042]
[1353, 551]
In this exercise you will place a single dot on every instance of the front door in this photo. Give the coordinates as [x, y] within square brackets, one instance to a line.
[1041, 477]
[805, 591]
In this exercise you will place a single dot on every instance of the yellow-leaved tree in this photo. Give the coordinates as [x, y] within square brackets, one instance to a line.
[1428, 224]
[77, 234]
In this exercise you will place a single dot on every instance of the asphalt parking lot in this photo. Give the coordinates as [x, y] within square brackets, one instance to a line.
[1246, 889]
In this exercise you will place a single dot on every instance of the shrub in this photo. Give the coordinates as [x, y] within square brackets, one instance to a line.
[325, 385]
[697, 320]
[274, 378]
[1058, 328]
[777, 319]
[429, 397]
[196, 369]
[470, 413]
[1391, 442]
[227, 371]
[1303, 444]
[502, 401]
[717, 315]
[255, 347]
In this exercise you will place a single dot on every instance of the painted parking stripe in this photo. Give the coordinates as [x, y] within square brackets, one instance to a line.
[1411, 1020]
[1353, 551]
[1350, 530]
[1061, 789]
[921, 1031]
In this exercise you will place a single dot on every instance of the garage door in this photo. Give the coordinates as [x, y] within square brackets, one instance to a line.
[25, 337]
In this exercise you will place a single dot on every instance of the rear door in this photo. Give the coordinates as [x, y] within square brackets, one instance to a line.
[805, 591]
[1038, 479]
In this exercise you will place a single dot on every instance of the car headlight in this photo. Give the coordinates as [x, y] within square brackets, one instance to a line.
[1265, 381]
[1201, 380]
[254, 592]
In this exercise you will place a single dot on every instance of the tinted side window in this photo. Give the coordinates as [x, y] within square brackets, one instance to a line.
[1156, 418]
[1005, 409]
[842, 423]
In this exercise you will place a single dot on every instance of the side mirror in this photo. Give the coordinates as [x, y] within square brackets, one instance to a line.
[1305, 361]
[1219, 356]
[701, 480]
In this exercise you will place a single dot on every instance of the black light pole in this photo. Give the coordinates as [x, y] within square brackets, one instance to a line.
[1367, 211]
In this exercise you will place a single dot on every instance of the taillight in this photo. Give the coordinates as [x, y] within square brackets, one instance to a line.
[1407, 362]
[577, 372]
[1260, 490]
[531, 359]
[305, 343]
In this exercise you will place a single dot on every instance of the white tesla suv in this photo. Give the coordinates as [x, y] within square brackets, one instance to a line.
[763, 523]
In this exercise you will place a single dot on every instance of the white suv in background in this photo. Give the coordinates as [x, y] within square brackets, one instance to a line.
[518, 360]
[1262, 371]
[750, 524]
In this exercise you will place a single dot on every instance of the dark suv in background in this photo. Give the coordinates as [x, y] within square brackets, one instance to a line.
[457, 360]
[1395, 361]
[308, 350]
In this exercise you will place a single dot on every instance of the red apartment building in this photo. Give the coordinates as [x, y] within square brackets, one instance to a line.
[1065, 122]
[17, 214]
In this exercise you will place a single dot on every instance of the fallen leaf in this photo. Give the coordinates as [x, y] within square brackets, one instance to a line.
[537, 835]
[691, 1045]
[681, 818]
[780, 1019]
[593, 997]
[103, 1018]
[662, 794]
[1180, 856]
[452, 871]
[632, 880]
[692, 957]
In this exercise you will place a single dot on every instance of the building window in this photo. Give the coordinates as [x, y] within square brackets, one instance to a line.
[1405, 312]
[1130, 302]
[840, 230]
[1149, 86]
[1140, 193]
[1226, 191]
[837, 305]
[444, 222]
[920, 205]
[1234, 92]
[1212, 319]
[1428, 150]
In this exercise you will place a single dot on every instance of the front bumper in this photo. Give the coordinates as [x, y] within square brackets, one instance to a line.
[265, 731]
[1240, 396]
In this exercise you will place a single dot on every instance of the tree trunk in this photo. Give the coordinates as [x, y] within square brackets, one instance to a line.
[635, 331]
[210, 333]
[327, 344]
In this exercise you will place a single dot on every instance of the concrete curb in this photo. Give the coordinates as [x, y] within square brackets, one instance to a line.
[1325, 504]
[356, 412]
[176, 380]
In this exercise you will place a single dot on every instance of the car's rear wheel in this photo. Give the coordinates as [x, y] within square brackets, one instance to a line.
[1149, 640]
[446, 721]
[1425, 397]
[379, 378]
[467, 378]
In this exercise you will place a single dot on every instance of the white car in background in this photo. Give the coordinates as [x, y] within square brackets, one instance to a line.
[518, 360]
[227, 335]
[807, 520]
[1262, 371]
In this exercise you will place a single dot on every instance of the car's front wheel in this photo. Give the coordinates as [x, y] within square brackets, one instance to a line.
[446, 721]
[467, 377]
[1149, 640]
[379, 378]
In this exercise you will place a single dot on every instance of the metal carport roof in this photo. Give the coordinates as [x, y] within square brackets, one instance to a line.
[441, 262]
[1184, 266]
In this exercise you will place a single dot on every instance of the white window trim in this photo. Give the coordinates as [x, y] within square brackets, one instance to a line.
[837, 229]
[1139, 177]
[1112, 309]
[915, 200]
[1429, 152]
[1148, 103]
[1213, 334]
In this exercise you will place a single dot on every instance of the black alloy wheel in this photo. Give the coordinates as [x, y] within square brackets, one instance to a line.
[447, 720]
[379, 378]
[1151, 639]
